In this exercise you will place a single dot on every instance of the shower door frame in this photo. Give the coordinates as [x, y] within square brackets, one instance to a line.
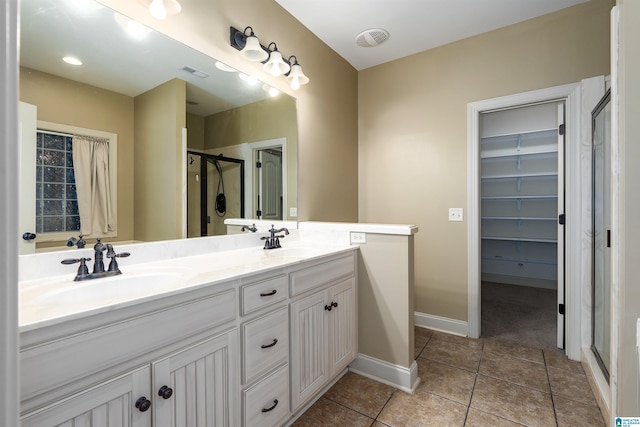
[204, 224]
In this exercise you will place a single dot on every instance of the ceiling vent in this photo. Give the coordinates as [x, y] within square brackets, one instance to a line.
[372, 37]
[195, 72]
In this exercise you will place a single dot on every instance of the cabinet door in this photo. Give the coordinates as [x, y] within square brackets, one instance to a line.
[204, 385]
[111, 404]
[342, 321]
[309, 351]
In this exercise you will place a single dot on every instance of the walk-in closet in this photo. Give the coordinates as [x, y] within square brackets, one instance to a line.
[522, 201]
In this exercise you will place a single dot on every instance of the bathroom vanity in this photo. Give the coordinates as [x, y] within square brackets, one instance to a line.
[235, 337]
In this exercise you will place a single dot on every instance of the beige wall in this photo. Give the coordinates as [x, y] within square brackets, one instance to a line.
[629, 215]
[160, 116]
[268, 119]
[413, 130]
[76, 104]
[195, 132]
[327, 106]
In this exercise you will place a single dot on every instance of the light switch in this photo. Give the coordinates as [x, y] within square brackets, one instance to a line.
[293, 212]
[455, 214]
[358, 238]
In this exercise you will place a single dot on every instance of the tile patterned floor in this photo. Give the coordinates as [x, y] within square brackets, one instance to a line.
[466, 382]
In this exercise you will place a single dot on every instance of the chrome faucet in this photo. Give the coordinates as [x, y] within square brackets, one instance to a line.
[273, 241]
[98, 264]
[253, 229]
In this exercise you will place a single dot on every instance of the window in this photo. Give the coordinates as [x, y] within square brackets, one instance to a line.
[56, 198]
[61, 195]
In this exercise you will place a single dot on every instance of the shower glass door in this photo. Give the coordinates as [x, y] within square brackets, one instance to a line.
[601, 304]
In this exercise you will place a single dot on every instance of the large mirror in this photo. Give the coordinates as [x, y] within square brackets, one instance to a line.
[174, 120]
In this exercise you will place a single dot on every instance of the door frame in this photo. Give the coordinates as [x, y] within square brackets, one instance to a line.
[570, 93]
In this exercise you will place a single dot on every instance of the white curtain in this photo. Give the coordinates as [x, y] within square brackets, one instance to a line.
[91, 169]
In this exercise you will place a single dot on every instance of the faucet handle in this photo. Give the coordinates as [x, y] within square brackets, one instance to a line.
[113, 265]
[83, 270]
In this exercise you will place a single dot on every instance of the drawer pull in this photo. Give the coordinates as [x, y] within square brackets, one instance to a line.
[143, 404]
[268, 294]
[275, 403]
[275, 341]
[165, 392]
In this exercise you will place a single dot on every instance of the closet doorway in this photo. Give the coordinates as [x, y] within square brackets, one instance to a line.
[521, 223]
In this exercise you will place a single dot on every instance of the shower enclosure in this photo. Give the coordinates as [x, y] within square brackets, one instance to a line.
[601, 215]
[215, 191]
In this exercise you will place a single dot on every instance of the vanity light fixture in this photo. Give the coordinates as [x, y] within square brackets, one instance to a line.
[276, 65]
[296, 75]
[251, 50]
[248, 45]
[159, 9]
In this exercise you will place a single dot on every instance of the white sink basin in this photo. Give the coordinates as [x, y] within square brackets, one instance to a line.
[132, 285]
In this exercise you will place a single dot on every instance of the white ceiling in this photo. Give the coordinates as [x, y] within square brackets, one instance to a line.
[414, 25]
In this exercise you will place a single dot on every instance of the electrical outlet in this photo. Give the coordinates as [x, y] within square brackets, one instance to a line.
[293, 212]
[358, 238]
[455, 214]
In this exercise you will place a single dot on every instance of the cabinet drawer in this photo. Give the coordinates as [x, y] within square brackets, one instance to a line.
[266, 403]
[262, 294]
[308, 278]
[265, 343]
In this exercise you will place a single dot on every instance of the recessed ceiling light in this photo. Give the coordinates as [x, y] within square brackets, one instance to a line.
[133, 28]
[372, 37]
[224, 67]
[72, 60]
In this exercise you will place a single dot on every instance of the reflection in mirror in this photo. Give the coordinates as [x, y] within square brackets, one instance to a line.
[161, 99]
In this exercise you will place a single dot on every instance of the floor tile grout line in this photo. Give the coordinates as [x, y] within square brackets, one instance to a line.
[350, 408]
[553, 402]
[384, 406]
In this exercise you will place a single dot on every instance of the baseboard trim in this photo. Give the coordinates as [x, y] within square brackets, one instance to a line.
[443, 324]
[598, 383]
[520, 281]
[387, 373]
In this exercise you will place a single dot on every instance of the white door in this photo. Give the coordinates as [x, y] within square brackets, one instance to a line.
[27, 114]
[561, 226]
[270, 184]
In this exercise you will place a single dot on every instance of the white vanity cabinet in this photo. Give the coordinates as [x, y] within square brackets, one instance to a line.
[245, 351]
[110, 404]
[323, 326]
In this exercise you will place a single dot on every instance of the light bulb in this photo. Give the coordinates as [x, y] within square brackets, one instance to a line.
[274, 70]
[157, 9]
[273, 91]
[295, 83]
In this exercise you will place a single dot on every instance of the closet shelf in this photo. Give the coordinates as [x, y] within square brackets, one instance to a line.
[531, 134]
[515, 152]
[515, 259]
[519, 239]
[553, 197]
[512, 218]
[520, 175]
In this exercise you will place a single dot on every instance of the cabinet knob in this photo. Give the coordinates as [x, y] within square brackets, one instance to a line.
[143, 404]
[328, 307]
[335, 304]
[275, 403]
[165, 392]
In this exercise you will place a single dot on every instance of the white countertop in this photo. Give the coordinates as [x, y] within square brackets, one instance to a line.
[46, 301]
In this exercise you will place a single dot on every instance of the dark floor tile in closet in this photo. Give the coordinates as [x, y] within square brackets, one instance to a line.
[360, 394]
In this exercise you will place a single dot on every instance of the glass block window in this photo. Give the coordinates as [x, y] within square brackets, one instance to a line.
[56, 199]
